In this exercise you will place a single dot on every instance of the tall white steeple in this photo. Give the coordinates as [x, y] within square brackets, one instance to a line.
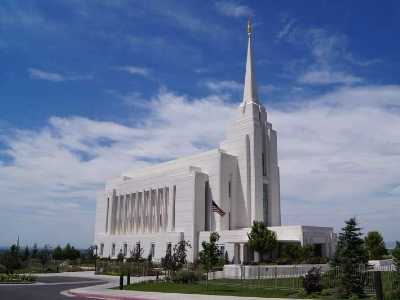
[250, 86]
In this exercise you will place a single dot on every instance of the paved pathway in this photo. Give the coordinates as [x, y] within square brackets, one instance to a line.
[104, 292]
[46, 288]
[86, 285]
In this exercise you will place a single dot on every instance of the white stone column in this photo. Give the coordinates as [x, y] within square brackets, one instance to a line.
[158, 198]
[134, 217]
[166, 219]
[170, 208]
[126, 212]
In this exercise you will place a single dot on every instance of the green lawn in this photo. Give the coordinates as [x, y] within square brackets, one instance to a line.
[251, 288]
[214, 288]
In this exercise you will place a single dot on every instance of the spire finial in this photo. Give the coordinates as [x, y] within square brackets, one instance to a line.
[249, 26]
[250, 87]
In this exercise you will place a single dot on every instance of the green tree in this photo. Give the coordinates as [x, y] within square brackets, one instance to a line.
[210, 254]
[26, 255]
[292, 253]
[261, 239]
[35, 251]
[58, 253]
[44, 256]
[69, 252]
[350, 256]
[375, 245]
[180, 254]
[396, 261]
[175, 259]
[137, 253]
[167, 261]
[11, 259]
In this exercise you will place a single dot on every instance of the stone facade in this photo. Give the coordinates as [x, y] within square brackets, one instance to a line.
[222, 190]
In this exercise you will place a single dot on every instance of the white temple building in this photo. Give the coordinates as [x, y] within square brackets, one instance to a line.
[222, 190]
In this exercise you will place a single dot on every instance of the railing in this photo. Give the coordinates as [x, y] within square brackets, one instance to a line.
[291, 277]
[142, 268]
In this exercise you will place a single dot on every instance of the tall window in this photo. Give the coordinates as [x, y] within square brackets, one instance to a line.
[125, 249]
[263, 164]
[152, 249]
[229, 189]
[173, 206]
[101, 249]
[265, 203]
[207, 208]
[108, 207]
[169, 247]
[113, 250]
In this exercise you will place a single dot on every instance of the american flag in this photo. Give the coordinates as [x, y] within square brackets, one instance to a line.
[217, 209]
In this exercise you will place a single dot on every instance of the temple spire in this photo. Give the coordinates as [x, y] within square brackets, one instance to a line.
[250, 86]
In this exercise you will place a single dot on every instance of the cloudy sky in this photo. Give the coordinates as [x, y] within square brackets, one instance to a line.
[89, 89]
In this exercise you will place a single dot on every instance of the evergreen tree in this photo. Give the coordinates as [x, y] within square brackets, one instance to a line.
[176, 259]
[137, 253]
[210, 254]
[26, 255]
[375, 245]
[11, 259]
[351, 257]
[261, 239]
[396, 261]
[58, 253]
[180, 256]
[44, 256]
[35, 251]
[167, 261]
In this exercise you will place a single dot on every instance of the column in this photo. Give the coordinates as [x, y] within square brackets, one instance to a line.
[139, 212]
[170, 208]
[133, 216]
[157, 209]
[165, 208]
[111, 219]
[126, 212]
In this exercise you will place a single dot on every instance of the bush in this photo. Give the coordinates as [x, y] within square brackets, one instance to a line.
[312, 281]
[185, 276]
[3, 269]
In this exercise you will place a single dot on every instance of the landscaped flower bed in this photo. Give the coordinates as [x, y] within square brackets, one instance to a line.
[16, 278]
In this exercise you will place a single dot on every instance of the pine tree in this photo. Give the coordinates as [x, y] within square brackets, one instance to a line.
[351, 257]
[58, 253]
[396, 261]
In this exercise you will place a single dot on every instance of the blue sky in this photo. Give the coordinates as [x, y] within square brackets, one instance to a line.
[89, 89]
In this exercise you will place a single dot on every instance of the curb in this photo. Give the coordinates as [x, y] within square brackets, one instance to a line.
[102, 296]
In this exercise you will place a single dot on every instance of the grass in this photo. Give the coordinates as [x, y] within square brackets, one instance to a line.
[214, 288]
[230, 287]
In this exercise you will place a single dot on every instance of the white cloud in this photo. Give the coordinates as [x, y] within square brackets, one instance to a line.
[55, 77]
[329, 61]
[54, 173]
[339, 156]
[233, 9]
[134, 70]
[286, 29]
[328, 77]
[223, 85]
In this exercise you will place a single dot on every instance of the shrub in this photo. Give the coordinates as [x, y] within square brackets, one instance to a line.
[185, 276]
[312, 281]
[3, 269]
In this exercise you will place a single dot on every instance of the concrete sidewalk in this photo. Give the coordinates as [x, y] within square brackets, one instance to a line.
[104, 292]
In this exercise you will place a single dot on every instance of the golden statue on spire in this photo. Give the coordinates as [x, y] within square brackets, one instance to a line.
[249, 26]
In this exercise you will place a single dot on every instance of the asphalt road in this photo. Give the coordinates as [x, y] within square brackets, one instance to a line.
[50, 291]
